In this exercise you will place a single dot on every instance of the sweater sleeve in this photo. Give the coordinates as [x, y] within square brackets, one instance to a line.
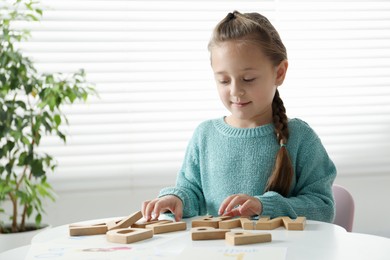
[188, 184]
[312, 195]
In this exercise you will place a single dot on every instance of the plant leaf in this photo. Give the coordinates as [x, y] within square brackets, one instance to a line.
[38, 220]
[37, 168]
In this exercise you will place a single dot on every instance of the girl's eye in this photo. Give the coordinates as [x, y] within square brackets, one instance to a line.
[224, 82]
[249, 80]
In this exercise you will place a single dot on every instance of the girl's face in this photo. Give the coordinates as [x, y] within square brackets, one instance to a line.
[246, 81]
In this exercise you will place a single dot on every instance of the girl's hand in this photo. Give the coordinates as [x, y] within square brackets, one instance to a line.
[240, 205]
[160, 205]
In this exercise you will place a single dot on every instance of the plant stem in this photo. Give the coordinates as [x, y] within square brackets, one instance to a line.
[22, 223]
[14, 226]
[24, 214]
[21, 178]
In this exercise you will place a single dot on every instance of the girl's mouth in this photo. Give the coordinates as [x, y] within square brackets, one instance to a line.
[240, 104]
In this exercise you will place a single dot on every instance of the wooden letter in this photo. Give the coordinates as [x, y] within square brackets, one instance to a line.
[128, 235]
[208, 233]
[208, 221]
[246, 223]
[87, 230]
[264, 223]
[159, 228]
[244, 238]
[296, 224]
[126, 222]
[143, 224]
[230, 223]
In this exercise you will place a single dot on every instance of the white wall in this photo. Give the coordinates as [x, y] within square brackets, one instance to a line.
[371, 197]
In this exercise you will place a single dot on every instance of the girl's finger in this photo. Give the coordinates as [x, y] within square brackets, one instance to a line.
[149, 209]
[232, 205]
[143, 209]
[247, 209]
[251, 207]
[233, 213]
[236, 201]
[161, 206]
[224, 204]
[178, 211]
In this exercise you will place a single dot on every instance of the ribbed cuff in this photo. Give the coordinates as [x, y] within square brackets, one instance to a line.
[268, 202]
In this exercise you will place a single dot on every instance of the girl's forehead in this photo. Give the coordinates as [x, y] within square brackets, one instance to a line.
[225, 62]
[238, 46]
[238, 49]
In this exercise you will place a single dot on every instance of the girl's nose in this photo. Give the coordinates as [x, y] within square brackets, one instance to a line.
[236, 90]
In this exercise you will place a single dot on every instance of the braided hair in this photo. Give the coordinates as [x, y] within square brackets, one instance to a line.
[281, 178]
[257, 28]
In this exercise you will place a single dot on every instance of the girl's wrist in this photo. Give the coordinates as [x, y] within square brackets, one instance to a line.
[261, 208]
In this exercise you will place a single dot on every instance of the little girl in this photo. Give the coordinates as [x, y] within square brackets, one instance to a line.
[255, 161]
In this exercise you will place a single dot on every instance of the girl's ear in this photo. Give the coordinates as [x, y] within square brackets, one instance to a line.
[281, 71]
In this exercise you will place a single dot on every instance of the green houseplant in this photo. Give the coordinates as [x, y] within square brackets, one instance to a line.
[30, 108]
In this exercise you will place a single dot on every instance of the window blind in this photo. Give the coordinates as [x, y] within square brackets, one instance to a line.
[150, 64]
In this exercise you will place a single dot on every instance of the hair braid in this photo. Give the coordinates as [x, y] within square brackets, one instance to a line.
[281, 178]
[280, 119]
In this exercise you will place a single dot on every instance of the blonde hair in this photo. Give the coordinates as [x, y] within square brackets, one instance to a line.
[256, 28]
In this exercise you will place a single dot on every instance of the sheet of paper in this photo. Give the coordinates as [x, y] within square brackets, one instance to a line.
[55, 251]
[234, 253]
[99, 251]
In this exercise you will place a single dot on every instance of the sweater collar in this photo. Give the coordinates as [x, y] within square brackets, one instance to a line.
[226, 129]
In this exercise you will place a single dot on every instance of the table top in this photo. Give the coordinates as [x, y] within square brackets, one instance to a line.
[317, 241]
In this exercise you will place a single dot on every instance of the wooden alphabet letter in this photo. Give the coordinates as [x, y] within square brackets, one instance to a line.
[208, 221]
[265, 223]
[126, 222]
[143, 224]
[246, 223]
[245, 238]
[128, 235]
[159, 228]
[294, 224]
[87, 230]
[230, 223]
[208, 233]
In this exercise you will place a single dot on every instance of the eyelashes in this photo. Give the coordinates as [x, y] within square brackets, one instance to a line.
[247, 80]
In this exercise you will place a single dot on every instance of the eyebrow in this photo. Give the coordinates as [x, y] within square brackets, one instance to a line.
[246, 69]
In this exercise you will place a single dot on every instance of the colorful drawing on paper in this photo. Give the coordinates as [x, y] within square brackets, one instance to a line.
[275, 253]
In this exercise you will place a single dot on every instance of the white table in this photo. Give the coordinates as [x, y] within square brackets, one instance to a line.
[318, 241]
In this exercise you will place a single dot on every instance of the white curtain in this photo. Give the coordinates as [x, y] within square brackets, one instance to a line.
[150, 64]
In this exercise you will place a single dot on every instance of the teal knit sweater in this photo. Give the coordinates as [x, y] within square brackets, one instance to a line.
[222, 160]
